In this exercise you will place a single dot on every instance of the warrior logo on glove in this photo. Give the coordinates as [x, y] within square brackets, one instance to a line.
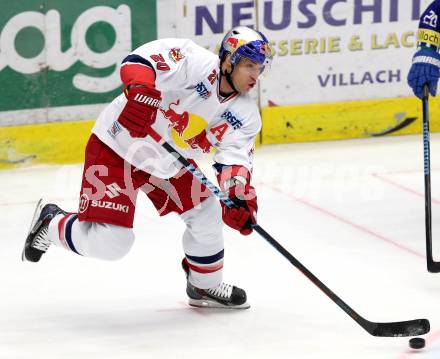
[147, 100]
[140, 112]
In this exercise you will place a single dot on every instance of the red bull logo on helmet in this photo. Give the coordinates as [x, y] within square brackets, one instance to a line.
[235, 43]
[266, 50]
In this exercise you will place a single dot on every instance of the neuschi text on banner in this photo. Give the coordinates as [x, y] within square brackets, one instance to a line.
[302, 14]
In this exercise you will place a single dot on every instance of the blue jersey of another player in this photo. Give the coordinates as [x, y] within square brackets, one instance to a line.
[425, 68]
[428, 35]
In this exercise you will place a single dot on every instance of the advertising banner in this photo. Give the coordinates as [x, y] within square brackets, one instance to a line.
[65, 55]
[326, 50]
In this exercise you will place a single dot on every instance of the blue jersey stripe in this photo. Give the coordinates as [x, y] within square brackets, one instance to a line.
[137, 59]
[208, 259]
[218, 167]
[68, 233]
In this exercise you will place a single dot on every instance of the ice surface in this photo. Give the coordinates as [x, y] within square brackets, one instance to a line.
[351, 211]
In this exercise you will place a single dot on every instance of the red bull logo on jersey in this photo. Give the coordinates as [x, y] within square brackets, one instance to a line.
[200, 142]
[191, 137]
[178, 121]
[175, 55]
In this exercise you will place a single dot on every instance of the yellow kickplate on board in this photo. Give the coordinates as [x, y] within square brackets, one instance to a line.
[343, 120]
[57, 143]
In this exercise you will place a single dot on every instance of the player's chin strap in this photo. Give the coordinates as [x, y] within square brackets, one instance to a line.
[228, 77]
[389, 329]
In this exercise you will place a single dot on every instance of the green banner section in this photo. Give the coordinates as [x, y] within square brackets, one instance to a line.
[65, 53]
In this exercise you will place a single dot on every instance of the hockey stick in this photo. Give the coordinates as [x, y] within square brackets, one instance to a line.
[433, 267]
[390, 329]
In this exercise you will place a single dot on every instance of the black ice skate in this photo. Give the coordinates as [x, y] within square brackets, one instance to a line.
[224, 296]
[37, 241]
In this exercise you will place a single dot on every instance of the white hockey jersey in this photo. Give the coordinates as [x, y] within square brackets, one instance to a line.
[193, 116]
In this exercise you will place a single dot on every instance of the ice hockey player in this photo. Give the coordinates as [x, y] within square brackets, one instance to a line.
[167, 83]
[425, 68]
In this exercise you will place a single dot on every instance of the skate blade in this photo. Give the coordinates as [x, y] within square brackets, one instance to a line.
[206, 303]
[37, 212]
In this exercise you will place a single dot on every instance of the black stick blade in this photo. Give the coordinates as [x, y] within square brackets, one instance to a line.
[409, 328]
[433, 267]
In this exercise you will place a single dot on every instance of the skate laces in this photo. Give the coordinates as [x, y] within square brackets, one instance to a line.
[222, 291]
[41, 240]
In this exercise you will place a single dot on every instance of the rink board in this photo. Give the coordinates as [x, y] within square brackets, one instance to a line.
[342, 120]
[59, 142]
[64, 142]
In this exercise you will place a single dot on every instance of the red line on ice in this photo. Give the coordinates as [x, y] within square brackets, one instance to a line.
[350, 223]
[402, 187]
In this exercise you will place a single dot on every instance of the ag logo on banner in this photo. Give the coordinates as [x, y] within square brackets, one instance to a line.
[64, 53]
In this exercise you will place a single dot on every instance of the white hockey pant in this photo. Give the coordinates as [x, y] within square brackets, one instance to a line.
[202, 241]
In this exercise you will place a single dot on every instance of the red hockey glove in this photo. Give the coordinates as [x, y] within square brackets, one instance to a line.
[245, 214]
[236, 181]
[140, 111]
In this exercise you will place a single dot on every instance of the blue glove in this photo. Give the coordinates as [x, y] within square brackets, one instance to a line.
[425, 69]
